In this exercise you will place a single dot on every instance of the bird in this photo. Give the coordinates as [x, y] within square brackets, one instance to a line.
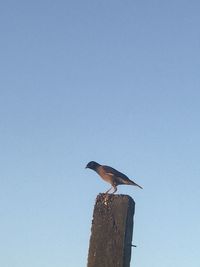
[111, 176]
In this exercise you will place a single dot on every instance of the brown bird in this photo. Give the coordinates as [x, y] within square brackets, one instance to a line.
[110, 175]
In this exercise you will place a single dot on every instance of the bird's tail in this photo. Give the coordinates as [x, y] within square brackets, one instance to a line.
[133, 183]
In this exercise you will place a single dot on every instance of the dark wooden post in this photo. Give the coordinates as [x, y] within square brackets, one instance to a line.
[111, 233]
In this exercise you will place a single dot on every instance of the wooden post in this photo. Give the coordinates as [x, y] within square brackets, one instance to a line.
[111, 233]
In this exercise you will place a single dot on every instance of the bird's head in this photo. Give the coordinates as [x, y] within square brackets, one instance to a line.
[92, 165]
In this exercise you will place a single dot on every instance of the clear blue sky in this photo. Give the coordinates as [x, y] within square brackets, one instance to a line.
[117, 82]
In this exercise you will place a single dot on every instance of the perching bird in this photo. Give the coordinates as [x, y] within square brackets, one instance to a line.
[110, 175]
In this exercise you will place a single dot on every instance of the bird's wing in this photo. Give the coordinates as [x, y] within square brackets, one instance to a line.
[119, 175]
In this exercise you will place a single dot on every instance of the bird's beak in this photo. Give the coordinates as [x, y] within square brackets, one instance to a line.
[86, 167]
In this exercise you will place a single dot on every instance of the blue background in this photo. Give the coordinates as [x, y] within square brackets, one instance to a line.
[117, 82]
